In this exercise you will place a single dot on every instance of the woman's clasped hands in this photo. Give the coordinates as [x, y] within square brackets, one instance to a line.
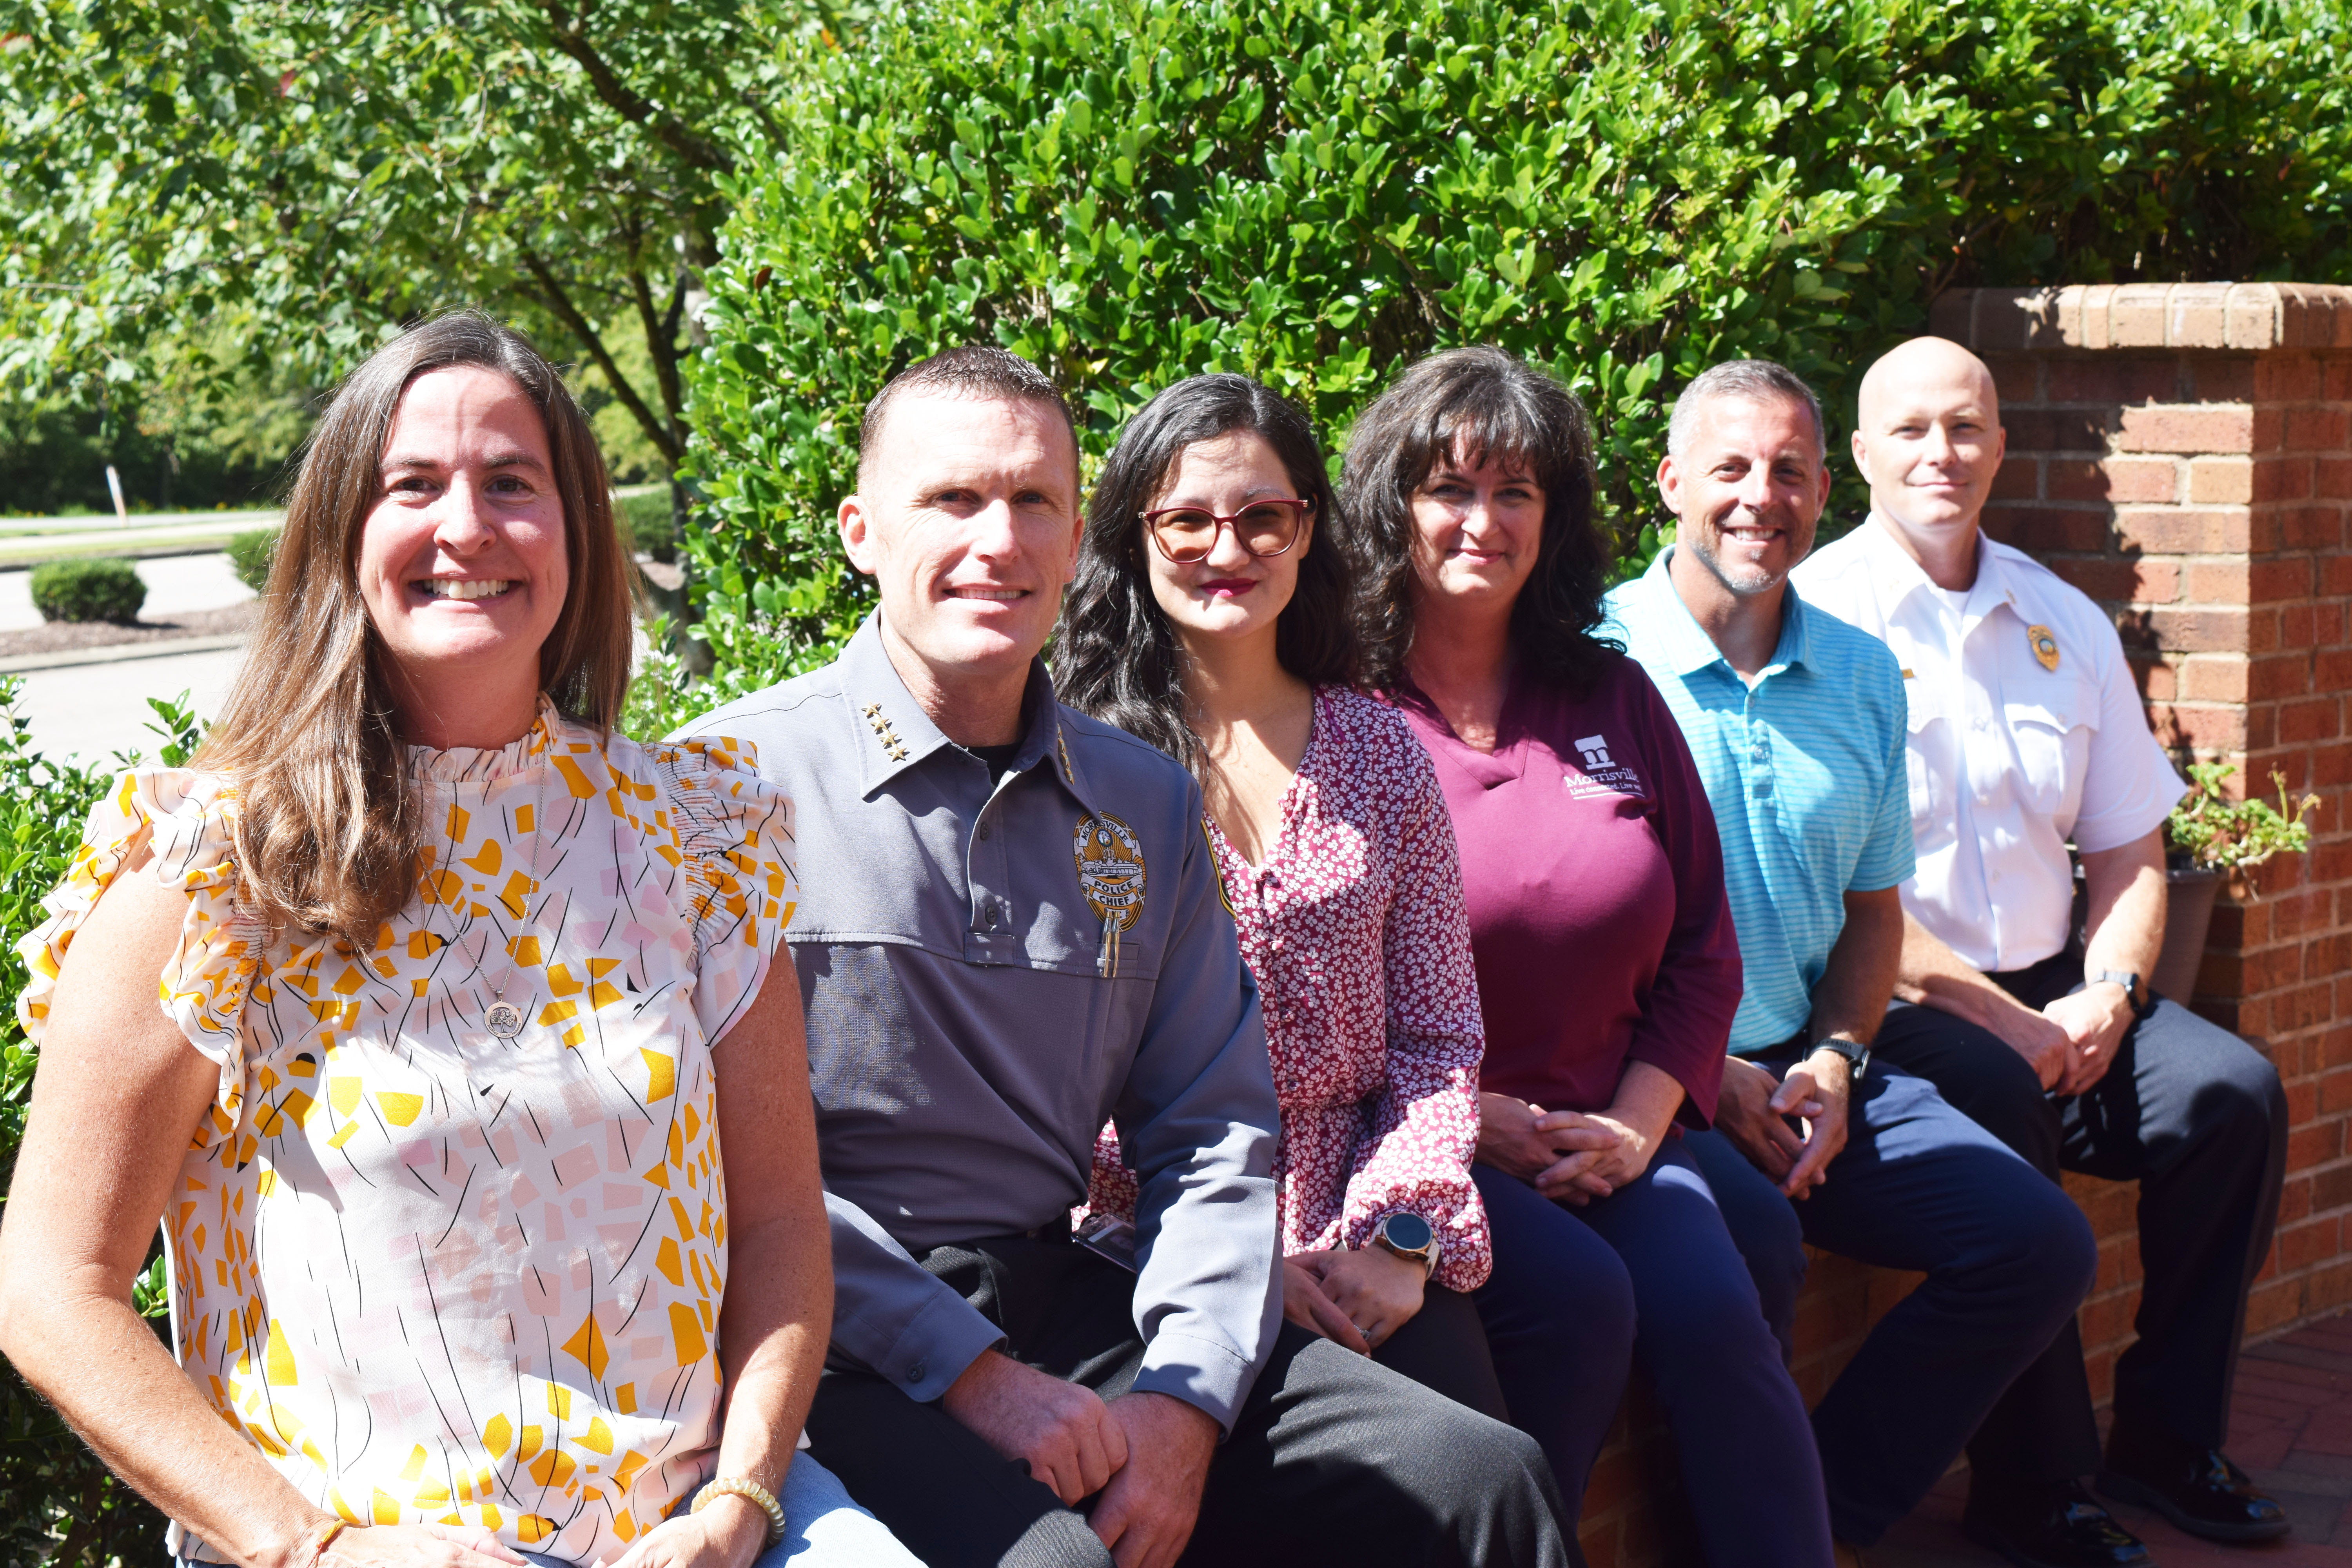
[1568, 1157]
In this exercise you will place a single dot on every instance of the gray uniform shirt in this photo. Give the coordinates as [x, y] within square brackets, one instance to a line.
[965, 1045]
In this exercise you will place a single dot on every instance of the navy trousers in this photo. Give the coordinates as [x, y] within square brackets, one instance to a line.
[1919, 1187]
[2195, 1116]
[1698, 1334]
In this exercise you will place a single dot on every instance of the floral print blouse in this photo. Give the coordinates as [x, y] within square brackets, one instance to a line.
[436, 1275]
[1354, 929]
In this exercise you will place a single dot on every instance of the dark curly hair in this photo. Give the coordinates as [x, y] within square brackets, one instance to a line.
[1116, 657]
[1479, 405]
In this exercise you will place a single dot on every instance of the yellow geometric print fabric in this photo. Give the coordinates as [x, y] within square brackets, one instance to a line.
[436, 1275]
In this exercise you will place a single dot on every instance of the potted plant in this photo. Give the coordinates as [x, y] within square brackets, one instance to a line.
[2208, 838]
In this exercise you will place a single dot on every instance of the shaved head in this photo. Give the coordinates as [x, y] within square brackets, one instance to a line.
[1927, 362]
[1927, 437]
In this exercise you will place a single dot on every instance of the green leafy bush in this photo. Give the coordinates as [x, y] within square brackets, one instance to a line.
[87, 591]
[1129, 191]
[57, 1503]
[644, 522]
[250, 555]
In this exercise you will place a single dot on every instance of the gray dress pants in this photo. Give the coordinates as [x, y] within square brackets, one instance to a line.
[1334, 1458]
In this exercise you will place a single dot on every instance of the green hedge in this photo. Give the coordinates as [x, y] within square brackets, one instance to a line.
[250, 555]
[57, 1503]
[1131, 191]
[85, 590]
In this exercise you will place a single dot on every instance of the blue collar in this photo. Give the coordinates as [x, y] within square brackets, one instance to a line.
[1687, 647]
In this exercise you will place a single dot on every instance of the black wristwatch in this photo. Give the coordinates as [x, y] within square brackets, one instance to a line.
[2129, 980]
[1856, 1054]
[1409, 1236]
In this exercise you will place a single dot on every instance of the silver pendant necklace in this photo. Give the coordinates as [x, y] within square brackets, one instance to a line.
[504, 1018]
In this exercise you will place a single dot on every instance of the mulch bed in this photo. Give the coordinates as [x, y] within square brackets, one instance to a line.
[60, 637]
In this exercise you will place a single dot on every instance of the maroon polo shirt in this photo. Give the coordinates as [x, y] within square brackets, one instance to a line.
[1594, 885]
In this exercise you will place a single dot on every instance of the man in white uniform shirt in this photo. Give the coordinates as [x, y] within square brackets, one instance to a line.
[2025, 731]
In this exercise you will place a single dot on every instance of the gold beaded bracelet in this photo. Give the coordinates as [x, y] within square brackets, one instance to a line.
[750, 1491]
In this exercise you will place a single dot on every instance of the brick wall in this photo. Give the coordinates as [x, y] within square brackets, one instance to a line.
[2183, 454]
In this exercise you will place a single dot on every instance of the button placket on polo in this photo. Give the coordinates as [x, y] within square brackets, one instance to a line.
[1757, 759]
[989, 936]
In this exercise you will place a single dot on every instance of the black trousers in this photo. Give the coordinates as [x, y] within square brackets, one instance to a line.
[1333, 1458]
[1443, 1347]
[2198, 1119]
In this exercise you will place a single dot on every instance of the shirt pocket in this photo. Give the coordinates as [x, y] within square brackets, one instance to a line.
[2051, 723]
[1930, 768]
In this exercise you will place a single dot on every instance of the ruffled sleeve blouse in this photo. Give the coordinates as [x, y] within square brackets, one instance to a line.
[434, 1274]
[1355, 931]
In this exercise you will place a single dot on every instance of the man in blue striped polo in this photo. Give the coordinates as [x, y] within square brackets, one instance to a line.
[1795, 722]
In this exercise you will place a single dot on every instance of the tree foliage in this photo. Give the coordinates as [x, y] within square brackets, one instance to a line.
[1131, 191]
[322, 173]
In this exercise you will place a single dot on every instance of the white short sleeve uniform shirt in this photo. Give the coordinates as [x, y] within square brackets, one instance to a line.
[2026, 731]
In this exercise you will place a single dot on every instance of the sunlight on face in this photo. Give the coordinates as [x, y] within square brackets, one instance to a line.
[1230, 593]
[1930, 438]
[462, 561]
[966, 519]
[1476, 530]
[1748, 490]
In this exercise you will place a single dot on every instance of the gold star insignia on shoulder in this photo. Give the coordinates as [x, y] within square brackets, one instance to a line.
[871, 708]
[898, 753]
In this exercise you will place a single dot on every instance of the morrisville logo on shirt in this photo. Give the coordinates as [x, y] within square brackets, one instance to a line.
[1603, 773]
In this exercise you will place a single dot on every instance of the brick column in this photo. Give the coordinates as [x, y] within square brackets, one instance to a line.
[2183, 454]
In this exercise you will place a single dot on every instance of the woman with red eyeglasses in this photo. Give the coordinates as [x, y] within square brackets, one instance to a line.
[1211, 616]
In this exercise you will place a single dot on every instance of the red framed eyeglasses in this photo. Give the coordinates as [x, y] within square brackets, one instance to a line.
[1185, 534]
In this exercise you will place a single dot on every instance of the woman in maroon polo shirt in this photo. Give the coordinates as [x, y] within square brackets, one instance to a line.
[1608, 969]
[1211, 616]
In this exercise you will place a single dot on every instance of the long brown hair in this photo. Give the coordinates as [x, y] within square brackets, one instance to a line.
[1116, 657]
[329, 821]
[1481, 403]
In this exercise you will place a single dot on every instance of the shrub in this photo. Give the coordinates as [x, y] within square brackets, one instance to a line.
[250, 555]
[644, 520]
[1131, 191]
[87, 591]
[57, 1503]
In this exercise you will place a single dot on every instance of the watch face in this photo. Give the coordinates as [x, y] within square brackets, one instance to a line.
[1407, 1232]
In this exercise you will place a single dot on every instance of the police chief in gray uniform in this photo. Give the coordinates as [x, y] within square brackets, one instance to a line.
[1011, 931]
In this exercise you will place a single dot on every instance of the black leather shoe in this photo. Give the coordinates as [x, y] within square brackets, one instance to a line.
[2055, 1526]
[2199, 1489]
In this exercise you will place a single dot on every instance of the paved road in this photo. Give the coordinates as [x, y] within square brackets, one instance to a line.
[105, 526]
[175, 586]
[92, 710]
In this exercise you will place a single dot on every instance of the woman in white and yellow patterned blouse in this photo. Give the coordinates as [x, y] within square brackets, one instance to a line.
[482, 1155]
